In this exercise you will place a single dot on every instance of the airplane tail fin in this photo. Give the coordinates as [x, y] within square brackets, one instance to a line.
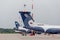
[26, 17]
[17, 24]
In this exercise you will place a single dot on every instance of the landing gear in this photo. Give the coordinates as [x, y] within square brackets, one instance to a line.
[23, 33]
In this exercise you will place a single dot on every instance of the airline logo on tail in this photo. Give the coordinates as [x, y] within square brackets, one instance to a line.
[17, 24]
[26, 17]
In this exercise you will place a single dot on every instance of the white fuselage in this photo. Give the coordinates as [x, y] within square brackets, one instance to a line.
[44, 26]
[21, 28]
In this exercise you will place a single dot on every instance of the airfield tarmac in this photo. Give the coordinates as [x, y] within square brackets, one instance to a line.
[36, 37]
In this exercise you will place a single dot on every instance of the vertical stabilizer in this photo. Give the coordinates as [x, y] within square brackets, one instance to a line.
[26, 17]
[17, 24]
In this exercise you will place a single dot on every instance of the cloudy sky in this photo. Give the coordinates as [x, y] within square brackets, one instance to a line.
[45, 11]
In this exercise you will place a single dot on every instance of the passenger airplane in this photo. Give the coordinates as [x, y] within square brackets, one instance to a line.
[20, 29]
[29, 25]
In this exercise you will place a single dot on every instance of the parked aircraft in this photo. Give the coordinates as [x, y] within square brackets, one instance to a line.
[20, 29]
[29, 22]
[39, 28]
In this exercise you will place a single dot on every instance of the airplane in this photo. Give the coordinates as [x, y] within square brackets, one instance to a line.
[20, 29]
[37, 27]
[26, 17]
[28, 29]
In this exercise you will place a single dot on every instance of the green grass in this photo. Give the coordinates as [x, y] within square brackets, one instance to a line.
[7, 30]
